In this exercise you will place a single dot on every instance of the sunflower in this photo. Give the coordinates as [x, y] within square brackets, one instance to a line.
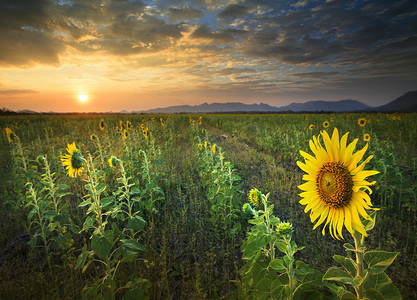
[254, 196]
[213, 148]
[331, 120]
[113, 161]
[73, 161]
[362, 122]
[93, 137]
[125, 134]
[205, 144]
[325, 124]
[10, 134]
[101, 124]
[335, 184]
[200, 147]
[311, 127]
[162, 122]
[128, 125]
[366, 137]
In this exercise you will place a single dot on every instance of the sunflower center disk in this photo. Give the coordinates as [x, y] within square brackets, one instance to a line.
[334, 184]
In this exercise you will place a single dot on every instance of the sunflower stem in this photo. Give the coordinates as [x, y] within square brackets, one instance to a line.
[359, 239]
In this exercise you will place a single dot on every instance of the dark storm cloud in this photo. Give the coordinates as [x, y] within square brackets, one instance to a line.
[184, 13]
[225, 36]
[234, 11]
[25, 34]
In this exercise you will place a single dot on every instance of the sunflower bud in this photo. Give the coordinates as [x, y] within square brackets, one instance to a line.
[113, 161]
[40, 159]
[285, 228]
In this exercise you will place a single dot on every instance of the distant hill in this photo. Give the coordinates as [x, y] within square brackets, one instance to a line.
[215, 107]
[404, 103]
[310, 106]
[334, 106]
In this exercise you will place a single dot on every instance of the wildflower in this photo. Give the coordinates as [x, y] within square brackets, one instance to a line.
[362, 122]
[366, 137]
[101, 124]
[93, 137]
[333, 190]
[325, 124]
[10, 134]
[311, 127]
[73, 161]
[113, 161]
[285, 228]
[254, 196]
[213, 148]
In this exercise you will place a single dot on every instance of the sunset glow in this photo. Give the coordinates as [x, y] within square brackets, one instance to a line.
[83, 98]
[138, 55]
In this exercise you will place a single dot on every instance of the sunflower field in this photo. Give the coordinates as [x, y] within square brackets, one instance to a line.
[210, 206]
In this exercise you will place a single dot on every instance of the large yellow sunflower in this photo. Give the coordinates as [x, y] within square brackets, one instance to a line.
[73, 161]
[335, 184]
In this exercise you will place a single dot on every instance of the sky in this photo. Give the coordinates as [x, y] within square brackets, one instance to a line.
[137, 55]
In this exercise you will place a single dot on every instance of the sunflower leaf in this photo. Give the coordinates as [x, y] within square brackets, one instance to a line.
[347, 263]
[337, 274]
[379, 261]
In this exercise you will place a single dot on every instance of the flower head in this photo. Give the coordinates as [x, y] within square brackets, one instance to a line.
[254, 196]
[128, 125]
[311, 127]
[73, 161]
[213, 148]
[200, 146]
[113, 161]
[366, 137]
[125, 134]
[326, 124]
[93, 137]
[362, 122]
[335, 184]
[101, 124]
[10, 134]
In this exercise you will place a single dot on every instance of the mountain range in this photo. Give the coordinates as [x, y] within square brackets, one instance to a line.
[404, 103]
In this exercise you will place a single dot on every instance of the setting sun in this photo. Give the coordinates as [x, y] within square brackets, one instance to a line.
[83, 98]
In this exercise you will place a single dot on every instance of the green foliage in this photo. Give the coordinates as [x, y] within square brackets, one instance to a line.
[266, 275]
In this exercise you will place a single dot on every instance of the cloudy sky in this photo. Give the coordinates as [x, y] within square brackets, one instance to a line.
[134, 55]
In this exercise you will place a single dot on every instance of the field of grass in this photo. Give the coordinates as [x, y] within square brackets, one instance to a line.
[164, 218]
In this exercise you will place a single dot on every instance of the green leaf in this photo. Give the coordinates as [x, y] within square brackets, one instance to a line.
[101, 246]
[84, 203]
[50, 214]
[81, 258]
[265, 285]
[337, 274]
[132, 245]
[277, 264]
[135, 190]
[347, 263]
[63, 186]
[383, 284]
[348, 247]
[106, 201]
[281, 246]
[373, 294]
[379, 261]
[137, 223]
[33, 241]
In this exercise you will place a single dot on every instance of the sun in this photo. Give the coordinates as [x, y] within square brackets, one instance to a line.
[82, 97]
